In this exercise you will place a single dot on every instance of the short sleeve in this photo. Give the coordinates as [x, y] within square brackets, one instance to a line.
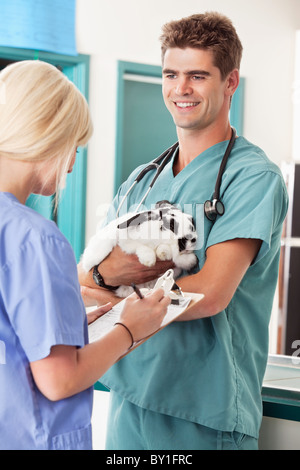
[255, 207]
[42, 296]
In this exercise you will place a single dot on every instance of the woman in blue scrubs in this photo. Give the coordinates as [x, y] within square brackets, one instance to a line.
[47, 369]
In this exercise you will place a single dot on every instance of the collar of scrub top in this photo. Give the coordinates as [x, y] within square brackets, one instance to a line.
[159, 164]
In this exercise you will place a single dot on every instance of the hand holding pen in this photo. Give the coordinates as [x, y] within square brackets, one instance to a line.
[137, 291]
[144, 318]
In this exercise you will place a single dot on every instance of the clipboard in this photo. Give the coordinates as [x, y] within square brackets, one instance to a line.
[184, 301]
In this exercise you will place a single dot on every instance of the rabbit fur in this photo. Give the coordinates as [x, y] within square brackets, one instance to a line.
[164, 232]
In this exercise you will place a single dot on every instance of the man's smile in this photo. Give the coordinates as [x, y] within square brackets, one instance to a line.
[186, 104]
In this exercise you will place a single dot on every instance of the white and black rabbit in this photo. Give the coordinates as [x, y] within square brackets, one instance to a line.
[165, 233]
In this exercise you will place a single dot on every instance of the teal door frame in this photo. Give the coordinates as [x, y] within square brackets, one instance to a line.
[155, 71]
[71, 214]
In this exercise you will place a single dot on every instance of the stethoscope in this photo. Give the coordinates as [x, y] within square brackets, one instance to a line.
[213, 207]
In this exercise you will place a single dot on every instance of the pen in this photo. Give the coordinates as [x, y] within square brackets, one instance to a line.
[137, 291]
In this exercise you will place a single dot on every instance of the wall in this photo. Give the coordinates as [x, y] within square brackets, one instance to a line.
[109, 31]
[296, 101]
[279, 434]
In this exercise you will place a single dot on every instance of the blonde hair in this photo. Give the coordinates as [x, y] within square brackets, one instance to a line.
[43, 116]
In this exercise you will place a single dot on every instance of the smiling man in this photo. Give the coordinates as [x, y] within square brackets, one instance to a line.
[197, 384]
[193, 88]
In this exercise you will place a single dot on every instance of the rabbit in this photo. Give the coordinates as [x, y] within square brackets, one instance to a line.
[164, 232]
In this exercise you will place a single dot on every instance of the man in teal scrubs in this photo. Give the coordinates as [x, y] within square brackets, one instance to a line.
[197, 384]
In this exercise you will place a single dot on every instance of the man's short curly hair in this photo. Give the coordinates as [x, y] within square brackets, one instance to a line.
[208, 31]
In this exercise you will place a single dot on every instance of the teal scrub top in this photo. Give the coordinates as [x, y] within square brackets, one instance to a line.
[210, 371]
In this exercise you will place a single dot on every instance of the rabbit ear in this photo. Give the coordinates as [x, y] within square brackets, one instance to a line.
[163, 204]
[138, 219]
[171, 224]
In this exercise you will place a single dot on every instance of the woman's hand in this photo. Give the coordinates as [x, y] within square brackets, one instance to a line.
[92, 316]
[144, 316]
[96, 296]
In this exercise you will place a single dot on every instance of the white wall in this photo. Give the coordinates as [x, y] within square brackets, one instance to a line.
[129, 30]
[278, 434]
[296, 102]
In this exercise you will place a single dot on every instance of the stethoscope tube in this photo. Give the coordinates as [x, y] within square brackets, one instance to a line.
[215, 207]
[159, 163]
[216, 194]
[165, 158]
[212, 208]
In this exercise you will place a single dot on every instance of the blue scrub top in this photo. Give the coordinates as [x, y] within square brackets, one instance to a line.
[210, 371]
[40, 306]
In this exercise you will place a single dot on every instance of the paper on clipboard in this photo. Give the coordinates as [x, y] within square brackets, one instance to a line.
[103, 325]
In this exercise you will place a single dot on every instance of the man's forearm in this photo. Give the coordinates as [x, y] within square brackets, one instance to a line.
[119, 268]
[223, 270]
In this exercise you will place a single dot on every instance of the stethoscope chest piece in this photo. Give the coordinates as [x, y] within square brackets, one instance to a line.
[213, 208]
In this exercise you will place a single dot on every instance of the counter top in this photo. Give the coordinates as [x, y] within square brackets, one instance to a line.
[283, 373]
[281, 388]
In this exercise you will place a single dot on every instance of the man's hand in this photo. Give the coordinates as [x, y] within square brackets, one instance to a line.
[120, 268]
[117, 269]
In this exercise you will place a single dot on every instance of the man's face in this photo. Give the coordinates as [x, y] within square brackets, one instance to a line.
[193, 89]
